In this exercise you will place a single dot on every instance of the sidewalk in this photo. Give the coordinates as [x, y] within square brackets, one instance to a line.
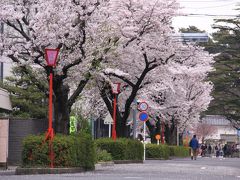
[9, 171]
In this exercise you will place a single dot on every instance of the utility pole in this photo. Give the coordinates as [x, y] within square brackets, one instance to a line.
[134, 118]
[1, 63]
[1, 71]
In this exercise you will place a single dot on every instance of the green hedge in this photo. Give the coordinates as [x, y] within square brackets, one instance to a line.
[69, 151]
[122, 148]
[155, 151]
[179, 151]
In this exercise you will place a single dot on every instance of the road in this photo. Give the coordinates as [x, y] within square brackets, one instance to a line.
[176, 169]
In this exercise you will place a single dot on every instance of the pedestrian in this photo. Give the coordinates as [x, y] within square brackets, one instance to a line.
[225, 150]
[209, 149]
[140, 137]
[217, 151]
[204, 149]
[194, 147]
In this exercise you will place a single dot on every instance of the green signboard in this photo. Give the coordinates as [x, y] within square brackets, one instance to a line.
[73, 124]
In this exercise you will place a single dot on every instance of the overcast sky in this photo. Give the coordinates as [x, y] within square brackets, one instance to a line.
[199, 12]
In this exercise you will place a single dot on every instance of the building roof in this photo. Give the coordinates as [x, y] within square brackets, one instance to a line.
[192, 37]
[216, 120]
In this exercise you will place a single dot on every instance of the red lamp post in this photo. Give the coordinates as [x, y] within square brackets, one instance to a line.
[51, 58]
[115, 91]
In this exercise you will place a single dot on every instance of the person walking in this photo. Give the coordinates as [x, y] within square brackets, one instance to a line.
[194, 147]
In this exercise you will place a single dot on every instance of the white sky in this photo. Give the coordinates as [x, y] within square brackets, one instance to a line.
[205, 7]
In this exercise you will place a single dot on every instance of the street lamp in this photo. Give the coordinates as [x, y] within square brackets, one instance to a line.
[51, 58]
[115, 91]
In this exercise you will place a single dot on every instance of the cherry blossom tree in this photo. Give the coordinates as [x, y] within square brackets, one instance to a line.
[185, 95]
[203, 130]
[145, 44]
[102, 42]
[152, 66]
[76, 27]
[177, 92]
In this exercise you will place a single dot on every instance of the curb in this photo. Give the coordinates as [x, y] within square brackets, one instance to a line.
[103, 164]
[27, 171]
[7, 172]
[127, 161]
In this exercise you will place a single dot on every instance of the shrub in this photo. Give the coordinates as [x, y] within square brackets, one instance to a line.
[122, 148]
[103, 155]
[179, 151]
[69, 151]
[116, 149]
[134, 149]
[157, 151]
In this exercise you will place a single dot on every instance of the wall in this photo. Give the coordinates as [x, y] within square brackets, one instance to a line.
[18, 130]
[3, 142]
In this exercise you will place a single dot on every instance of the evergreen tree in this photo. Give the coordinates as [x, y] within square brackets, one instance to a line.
[226, 78]
[191, 29]
[226, 43]
[27, 100]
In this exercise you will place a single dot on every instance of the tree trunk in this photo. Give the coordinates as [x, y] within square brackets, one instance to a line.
[61, 107]
[121, 127]
[171, 134]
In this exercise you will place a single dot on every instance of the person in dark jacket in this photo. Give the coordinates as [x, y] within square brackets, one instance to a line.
[194, 147]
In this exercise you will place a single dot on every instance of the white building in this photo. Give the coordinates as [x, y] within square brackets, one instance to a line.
[225, 132]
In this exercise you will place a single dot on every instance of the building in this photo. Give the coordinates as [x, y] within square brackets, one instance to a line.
[192, 37]
[225, 132]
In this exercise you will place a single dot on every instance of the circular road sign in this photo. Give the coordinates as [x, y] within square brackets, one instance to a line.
[143, 106]
[143, 116]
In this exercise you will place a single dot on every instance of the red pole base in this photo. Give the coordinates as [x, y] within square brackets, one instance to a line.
[49, 136]
[114, 133]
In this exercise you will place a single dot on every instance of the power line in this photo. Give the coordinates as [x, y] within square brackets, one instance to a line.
[210, 7]
[210, 1]
[210, 15]
[215, 6]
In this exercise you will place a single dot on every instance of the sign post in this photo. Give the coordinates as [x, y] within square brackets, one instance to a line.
[143, 116]
[51, 58]
[158, 137]
[134, 118]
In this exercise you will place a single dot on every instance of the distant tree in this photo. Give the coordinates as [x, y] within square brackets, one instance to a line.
[191, 29]
[226, 43]
[203, 130]
[27, 100]
[226, 78]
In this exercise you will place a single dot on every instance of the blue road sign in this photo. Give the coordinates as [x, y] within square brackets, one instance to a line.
[143, 116]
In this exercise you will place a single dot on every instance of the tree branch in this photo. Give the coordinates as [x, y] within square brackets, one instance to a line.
[79, 89]
[121, 77]
[18, 30]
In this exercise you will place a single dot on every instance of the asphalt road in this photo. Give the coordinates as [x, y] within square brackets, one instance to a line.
[177, 169]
